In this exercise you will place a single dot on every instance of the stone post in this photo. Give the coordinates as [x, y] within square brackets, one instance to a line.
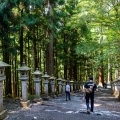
[74, 86]
[116, 73]
[52, 83]
[24, 78]
[3, 113]
[59, 86]
[64, 85]
[71, 85]
[45, 82]
[37, 80]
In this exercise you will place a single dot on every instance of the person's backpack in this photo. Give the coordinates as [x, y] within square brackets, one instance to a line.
[89, 90]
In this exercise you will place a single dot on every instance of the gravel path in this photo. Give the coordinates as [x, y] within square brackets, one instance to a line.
[106, 108]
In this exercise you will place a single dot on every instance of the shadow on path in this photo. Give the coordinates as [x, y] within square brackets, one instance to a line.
[106, 108]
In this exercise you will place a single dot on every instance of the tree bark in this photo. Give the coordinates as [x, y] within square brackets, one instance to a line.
[21, 43]
[101, 76]
[49, 50]
[6, 59]
[109, 72]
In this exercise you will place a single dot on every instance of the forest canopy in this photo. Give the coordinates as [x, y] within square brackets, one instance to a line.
[71, 39]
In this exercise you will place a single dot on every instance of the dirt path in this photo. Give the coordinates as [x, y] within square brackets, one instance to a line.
[106, 108]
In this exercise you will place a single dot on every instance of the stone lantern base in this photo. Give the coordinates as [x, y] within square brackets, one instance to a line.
[38, 100]
[3, 114]
[47, 98]
[53, 96]
[25, 104]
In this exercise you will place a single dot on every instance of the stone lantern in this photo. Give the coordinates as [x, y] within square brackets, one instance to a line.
[74, 86]
[71, 85]
[59, 86]
[64, 85]
[24, 78]
[37, 74]
[45, 82]
[3, 113]
[52, 83]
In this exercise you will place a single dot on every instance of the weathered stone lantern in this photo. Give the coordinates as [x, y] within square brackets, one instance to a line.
[71, 85]
[37, 74]
[59, 86]
[45, 82]
[24, 78]
[52, 83]
[64, 85]
[3, 113]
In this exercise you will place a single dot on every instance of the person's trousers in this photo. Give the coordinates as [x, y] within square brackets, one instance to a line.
[88, 98]
[67, 95]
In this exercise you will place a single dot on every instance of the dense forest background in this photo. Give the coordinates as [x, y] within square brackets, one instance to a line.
[71, 39]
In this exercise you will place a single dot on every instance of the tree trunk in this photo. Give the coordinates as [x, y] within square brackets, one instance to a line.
[6, 59]
[15, 78]
[21, 44]
[75, 71]
[70, 70]
[35, 53]
[65, 60]
[49, 50]
[109, 72]
[101, 76]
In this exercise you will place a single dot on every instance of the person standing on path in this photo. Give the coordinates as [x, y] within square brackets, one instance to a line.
[91, 86]
[67, 91]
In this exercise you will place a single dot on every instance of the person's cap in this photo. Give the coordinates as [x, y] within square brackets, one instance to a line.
[91, 77]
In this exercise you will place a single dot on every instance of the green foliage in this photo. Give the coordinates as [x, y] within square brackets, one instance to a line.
[61, 2]
[86, 47]
[31, 97]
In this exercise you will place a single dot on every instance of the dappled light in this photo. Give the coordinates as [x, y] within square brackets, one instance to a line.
[47, 44]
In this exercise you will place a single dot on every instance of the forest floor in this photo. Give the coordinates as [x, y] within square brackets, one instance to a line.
[106, 107]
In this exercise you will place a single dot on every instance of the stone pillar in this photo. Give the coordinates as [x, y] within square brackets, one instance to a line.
[24, 91]
[1, 94]
[3, 113]
[45, 82]
[64, 85]
[116, 89]
[52, 83]
[24, 78]
[71, 86]
[74, 86]
[37, 89]
[116, 73]
[59, 86]
[37, 80]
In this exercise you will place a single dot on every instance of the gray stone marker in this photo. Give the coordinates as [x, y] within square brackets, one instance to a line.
[71, 85]
[45, 82]
[116, 88]
[116, 73]
[3, 113]
[24, 78]
[52, 83]
[75, 86]
[64, 85]
[59, 86]
[37, 74]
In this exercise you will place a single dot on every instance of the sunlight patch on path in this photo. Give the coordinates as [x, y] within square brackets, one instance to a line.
[106, 113]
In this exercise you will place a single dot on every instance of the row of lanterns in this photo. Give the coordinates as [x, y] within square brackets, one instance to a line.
[24, 77]
[37, 74]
